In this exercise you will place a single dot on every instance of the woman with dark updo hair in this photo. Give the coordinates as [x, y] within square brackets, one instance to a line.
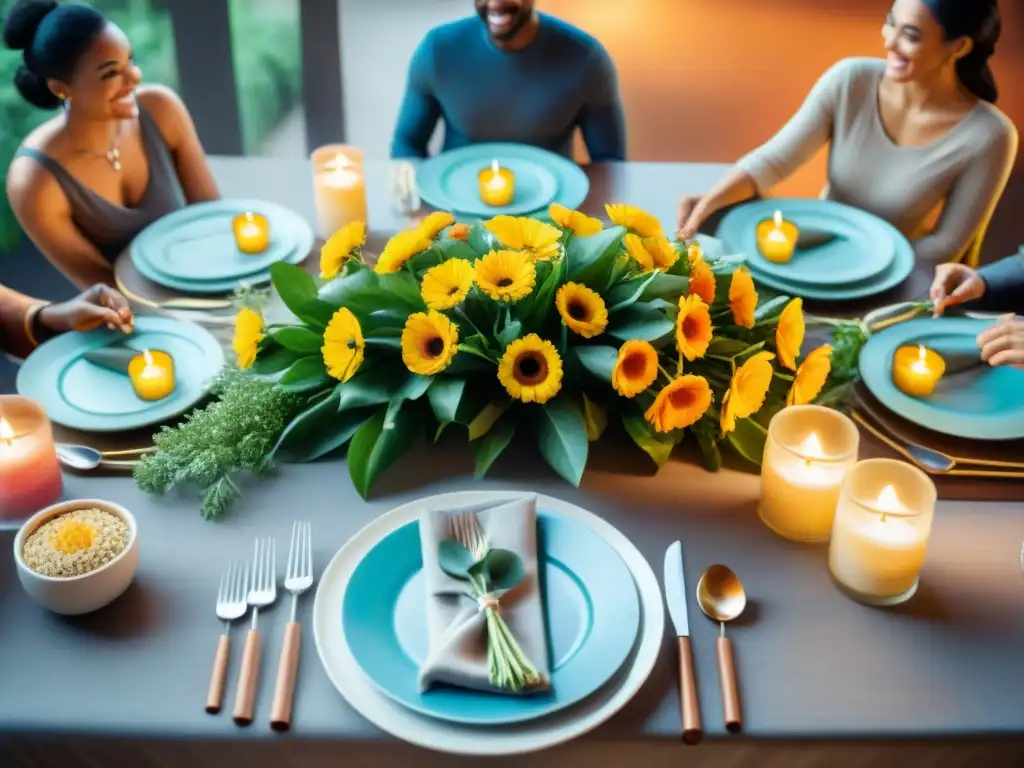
[915, 138]
[117, 157]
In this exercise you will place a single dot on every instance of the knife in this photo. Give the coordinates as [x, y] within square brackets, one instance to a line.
[675, 596]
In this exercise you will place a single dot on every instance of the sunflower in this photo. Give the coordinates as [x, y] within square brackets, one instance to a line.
[635, 369]
[680, 404]
[344, 345]
[651, 252]
[702, 281]
[445, 286]
[506, 275]
[576, 222]
[810, 376]
[400, 249]
[459, 231]
[531, 370]
[339, 247]
[248, 335]
[520, 233]
[789, 335]
[747, 390]
[634, 219]
[742, 298]
[582, 310]
[693, 328]
[429, 342]
[432, 225]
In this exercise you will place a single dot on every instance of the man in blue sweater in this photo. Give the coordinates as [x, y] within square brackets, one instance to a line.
[511, 74]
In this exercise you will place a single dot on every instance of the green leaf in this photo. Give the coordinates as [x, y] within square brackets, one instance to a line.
[642, 322]
[770, 310]
[414, 387]
[595, 418]
[723, 346]
[503, 569]
[748, 439]
[562, 438]
[455, 249]
[476, 345]
[668, 287]
[304, 375]
[540, 304]
[489, 447]
[627, 293]
[510, 333]
[298, 338]
[598, 359]
[358, 292]
[399, 290]
[445, 394]
[481, 240]
[592, 259]
[384, 337]
[374, 449]
[374, 386]
[486, 419]
[656, 445]
[317, 431]
[707, 433]
[273, 361]
[421, 262]
[298, 292]
[454, 559]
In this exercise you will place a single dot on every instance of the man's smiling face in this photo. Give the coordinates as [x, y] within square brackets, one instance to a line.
[504, 18]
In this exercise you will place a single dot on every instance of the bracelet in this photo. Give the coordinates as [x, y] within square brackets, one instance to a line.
[30, 320]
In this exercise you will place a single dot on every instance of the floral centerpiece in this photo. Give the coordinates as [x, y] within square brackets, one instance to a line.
[507, 326]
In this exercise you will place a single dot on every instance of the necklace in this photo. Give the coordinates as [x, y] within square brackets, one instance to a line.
[112, 155]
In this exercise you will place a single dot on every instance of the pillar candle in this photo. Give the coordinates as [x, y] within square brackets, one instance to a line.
[30, 477]
[339, 187]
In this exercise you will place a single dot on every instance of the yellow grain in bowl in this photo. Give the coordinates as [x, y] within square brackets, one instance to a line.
[75, 543]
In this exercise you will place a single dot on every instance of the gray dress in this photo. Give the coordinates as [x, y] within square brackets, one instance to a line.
[112, 227]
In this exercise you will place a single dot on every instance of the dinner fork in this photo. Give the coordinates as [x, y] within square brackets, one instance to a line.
[262, 593]
[230, 607]
[298, 578]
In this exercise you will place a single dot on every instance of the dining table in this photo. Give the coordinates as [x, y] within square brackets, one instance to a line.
[823, 680]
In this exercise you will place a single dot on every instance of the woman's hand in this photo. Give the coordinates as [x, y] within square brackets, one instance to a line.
[954, 284]
[1003, 343]
[693, 211]
[98, 305]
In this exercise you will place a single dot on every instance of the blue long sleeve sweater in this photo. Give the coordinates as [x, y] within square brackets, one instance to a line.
[1004, 286]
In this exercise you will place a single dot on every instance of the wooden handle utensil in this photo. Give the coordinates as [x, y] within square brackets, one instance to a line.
[727, 680]
[688, 701]
[248, 679]
[218, 676]
[284, 688]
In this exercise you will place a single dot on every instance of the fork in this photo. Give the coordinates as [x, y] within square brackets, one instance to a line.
[298, 578]
[262, 593]
[230, 607]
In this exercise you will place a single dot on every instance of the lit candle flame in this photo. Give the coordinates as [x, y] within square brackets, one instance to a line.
[495, 168]
[147, 357]
[151, 370]
[811, 448]
[339, 163]
[778, 219]
[888, 502]
[921, 364]
[6, 433]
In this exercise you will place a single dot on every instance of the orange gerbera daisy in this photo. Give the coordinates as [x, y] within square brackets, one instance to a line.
[635, 369]
[576, 222]
[680, 404]
[693, 328]
[651, 252]
[634, 219]
[742, 298]
[702, 281]
[789, 335]
[747, 391]
[810, 376]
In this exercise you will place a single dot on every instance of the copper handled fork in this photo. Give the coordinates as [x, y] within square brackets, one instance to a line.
[298, 578]
[230, 607]
[262, 593]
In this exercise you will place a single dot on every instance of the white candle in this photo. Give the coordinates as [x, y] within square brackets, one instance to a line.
[339, 188]
[777, 235]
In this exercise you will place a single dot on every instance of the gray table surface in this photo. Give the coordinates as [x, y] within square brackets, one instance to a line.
[812, 664]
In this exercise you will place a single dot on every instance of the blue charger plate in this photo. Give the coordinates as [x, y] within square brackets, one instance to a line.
[82, 395]
[591, 608]
[449, 181]
[983, 403]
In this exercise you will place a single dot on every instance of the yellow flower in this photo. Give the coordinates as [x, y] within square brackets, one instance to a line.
[651, 252]
[635, 369]
[506, 275]
[344, 345]
[634, 219]
[576, 222]
[519, 233]
[400, 249]
[680, 404]
[435, 222]
[429, 342]
[747, 390]
[789, 335]
[742, 298]
[445, 286]
[810, 376]
[339, 247]
[694, 253]
[693, 328]
[459, 232]
[531, 370]
[248, 335]
[702, 281]
[582, 310]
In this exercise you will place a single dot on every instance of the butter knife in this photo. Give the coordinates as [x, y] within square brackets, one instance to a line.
[675, 597]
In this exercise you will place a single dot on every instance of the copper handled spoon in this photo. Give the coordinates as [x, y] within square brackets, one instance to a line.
[721, 598]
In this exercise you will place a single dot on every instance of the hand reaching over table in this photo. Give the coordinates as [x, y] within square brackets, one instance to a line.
[1003, 343]
[96, 306]
[955, 284]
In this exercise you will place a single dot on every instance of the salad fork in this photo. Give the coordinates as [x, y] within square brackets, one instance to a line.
[298, 578]
[230, 607]
[262, 593]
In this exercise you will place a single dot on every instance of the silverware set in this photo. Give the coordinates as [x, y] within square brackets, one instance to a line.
[243, 588]
[85, 458]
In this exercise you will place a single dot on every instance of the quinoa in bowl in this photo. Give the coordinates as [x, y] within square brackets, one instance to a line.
[75, 543]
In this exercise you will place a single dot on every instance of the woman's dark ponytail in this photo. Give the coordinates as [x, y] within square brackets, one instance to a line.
[976, 74]
[980, 21]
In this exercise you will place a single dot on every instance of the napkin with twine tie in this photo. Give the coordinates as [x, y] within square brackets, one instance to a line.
[458, 625]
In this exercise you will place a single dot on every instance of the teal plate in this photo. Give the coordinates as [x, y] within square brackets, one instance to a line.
[449, 181]
[879, 242]
[591, 610]
[82, 395]
[983, 403]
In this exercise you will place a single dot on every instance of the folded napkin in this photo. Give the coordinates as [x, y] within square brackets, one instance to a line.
[456, 623]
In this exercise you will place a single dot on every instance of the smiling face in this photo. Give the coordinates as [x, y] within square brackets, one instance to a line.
[504, 18]
[916, 43]
[104, 82]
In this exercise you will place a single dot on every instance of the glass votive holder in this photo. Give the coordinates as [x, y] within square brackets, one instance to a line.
[808, 451]
[30, 477]
[339, 187]
[880, 536]
[252, 232]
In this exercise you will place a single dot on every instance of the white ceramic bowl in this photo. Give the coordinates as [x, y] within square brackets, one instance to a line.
[75, 595]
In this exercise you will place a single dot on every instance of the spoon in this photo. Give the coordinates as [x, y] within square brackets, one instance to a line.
[84, 457]
[721, 598]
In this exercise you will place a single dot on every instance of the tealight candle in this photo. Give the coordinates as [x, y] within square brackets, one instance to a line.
[252, 232]
[882, 524]
[30, 477]
[339, 187]
[808, 451]
[152, 374]
[777, 238]
[497, 185]
[916, 370]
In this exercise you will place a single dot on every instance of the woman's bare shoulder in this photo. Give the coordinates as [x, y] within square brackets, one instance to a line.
[166, 109]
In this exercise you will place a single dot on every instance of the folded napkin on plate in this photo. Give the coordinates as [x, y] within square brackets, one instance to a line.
[456, 623]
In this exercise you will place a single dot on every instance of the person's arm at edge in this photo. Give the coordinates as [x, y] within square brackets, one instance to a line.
[17, 317]
[602, 120]
[420, 110]
[1004, 287]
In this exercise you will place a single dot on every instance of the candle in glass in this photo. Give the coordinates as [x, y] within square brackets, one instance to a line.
[882, 524]
[252, 232]
[152, 374]
[917, 370]
[808, 451]
[777, 238]
[30, 476]
[339, 187]
[497, 185]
